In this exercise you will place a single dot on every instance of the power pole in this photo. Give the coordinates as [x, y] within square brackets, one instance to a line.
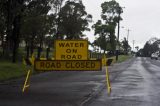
[128, 30]
[128, 34]
[117, 46]
[133, 44]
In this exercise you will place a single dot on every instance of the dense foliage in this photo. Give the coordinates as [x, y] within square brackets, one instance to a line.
[151, 46]
[105, 28]
[38, 22]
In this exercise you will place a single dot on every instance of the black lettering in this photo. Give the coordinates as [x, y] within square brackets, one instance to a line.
[76, 45]
[93, 65]
[82, 65]
[58, 65]
[71, 44]
[67, 65]
[67, 45]
[87, 65]
[68, 51]
[74, 50]
[79, 56]
[61, 44]
[53, 65]
[62, 56]
[68, 57]
[47, 64]
[72, 65]
[77, 65]
[81, 45]
[42, 64]
[74, 57]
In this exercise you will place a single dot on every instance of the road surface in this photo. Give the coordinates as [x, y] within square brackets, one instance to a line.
[138, 84]
[135, 82]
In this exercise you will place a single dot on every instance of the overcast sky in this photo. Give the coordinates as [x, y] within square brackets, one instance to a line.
[142, 17]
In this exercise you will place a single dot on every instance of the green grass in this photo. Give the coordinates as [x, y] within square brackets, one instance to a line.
[121, 58]
[9, 70]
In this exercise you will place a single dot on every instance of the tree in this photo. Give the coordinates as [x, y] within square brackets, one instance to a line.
[146, 50]
[73, 20]
[2, 24]
[103, 39]
[111, 11]
[125, 45]
[37, 23]
[106, 29]
[151, 46]
[11, 11]
[56, 8]
[137, 47]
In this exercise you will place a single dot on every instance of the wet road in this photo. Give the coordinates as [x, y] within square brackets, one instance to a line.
[135, 82]
[53, 89]
[138, 84]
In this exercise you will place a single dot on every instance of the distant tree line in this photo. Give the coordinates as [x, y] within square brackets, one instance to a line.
[151, 46]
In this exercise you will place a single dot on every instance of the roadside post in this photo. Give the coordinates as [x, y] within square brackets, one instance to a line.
[104, 63]
[27, 81]
[29, 63]
[47, 54]
[104, 60]
[108, 81]
[39, 50]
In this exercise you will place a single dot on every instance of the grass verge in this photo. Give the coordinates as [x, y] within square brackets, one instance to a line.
[9, 70]
[121, 58]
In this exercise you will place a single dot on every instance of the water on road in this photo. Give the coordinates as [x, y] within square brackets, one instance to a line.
[136, 85]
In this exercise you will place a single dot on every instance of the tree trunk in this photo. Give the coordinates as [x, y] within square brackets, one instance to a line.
[104, 52]
[8, 46]
[31, 48]
[15, 35]
[16, 28]
[3, 45]
[41, 41]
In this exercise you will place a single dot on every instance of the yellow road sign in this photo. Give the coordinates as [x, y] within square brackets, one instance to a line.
[71, 50]
[67, 65]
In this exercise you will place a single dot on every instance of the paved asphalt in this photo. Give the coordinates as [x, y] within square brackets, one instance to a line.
[135, 82]
[136, 85]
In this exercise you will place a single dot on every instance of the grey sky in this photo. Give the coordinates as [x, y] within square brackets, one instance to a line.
[142, 17]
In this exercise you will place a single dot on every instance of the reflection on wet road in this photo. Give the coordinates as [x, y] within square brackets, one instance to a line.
[137, 85]
[135, 82]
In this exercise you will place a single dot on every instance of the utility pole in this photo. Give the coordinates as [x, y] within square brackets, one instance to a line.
[133, 44]
[128, 34]
[117, 46]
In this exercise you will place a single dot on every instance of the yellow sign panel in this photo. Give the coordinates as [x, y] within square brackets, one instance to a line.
[71, 50]
[67, 65]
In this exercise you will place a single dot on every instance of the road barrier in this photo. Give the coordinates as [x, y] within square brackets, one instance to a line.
[70, 55]
[73, 56]
[109, 62]
[27, 81]
[108, 81]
